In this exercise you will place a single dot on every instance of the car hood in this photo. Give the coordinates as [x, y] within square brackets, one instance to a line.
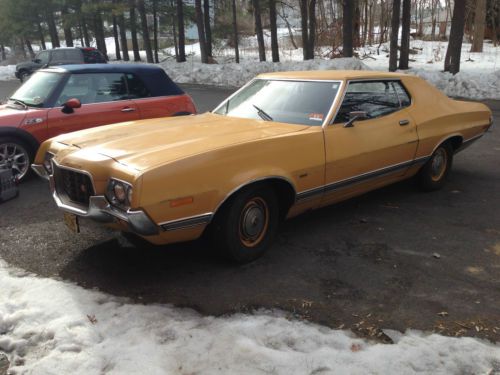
[146, 143]
[11, 117]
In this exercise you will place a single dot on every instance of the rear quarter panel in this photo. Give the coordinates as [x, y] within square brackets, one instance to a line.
[162, 106]
[439, 117]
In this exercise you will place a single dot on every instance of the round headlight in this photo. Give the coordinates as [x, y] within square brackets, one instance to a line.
[120, 192]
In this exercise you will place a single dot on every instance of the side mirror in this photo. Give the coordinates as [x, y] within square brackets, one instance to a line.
[37, 61]
[71, 105]
[353, 116]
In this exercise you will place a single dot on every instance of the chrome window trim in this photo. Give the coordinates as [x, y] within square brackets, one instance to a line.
[347, 82]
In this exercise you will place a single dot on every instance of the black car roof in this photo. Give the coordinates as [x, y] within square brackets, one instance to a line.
[154, 77]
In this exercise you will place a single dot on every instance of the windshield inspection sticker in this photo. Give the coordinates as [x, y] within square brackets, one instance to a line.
[315, 116]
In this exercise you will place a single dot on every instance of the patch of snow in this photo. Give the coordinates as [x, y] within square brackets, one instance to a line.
[7, 72]
[54, 327]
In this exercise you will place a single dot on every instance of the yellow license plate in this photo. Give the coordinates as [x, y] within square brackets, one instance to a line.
[71, 222]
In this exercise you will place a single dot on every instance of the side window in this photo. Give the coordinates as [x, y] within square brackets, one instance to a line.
[403, 95]
[73, 55]
[94, 88]
[136, 87]
[376, 98]
[57, 56]
[43, 57]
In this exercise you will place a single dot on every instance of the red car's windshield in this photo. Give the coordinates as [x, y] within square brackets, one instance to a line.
[37, 89]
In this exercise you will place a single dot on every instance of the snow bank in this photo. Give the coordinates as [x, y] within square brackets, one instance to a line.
[232, 74]
[53, 327]
[7, 72]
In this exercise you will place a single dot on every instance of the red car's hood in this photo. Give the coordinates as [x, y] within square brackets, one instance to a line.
[11, 117]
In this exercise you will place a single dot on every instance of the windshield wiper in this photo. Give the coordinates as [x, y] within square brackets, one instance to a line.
[263, 115]
[19, 102]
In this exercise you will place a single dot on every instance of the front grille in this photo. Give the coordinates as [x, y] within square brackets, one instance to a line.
[75, 186]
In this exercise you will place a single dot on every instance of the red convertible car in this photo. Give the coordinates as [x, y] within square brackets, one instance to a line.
[75, 97]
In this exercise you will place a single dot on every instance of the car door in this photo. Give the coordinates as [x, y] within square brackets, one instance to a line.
[373, 151]
[104, 101]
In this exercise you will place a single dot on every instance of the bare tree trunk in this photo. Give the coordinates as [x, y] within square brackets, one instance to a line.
[118, 55]
[235, 32]
[174, 33]
[85, 30]
[479, 26]
[182, 40]
[201, 31]
[155, 30]
[274, 31]
[370, 26]
[208, 27]
[284, 17]
[312, 28]
[133, 30]
[453, 53]
[40, 35]
[356, 25]
[54, 37]
[365, 23]
[404, 56]
[145, 31]
[123, 37]
[433, 19]
[2, 51]
[30, 48]
[258, 30]
[393, 53]
[305, 30]
[68, 35]
[347, 26]
[494, 37]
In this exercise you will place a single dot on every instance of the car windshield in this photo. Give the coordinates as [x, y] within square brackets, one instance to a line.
[37, 89]
[294, 102]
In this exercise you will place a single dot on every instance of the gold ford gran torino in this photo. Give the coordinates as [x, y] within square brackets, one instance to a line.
[283, 144]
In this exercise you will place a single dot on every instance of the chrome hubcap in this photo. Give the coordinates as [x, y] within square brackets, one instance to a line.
[15, 157]
[438, 165]
[254, 220]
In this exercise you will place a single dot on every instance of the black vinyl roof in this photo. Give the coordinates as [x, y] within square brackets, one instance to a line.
[154, 77]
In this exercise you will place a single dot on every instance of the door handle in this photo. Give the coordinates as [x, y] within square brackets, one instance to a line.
[404, 122]
[128, 109]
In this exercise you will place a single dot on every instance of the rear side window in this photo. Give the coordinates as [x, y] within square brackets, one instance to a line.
[136, 87]
[94, 88]
[376, 98]
[93, 56]
[66, 56]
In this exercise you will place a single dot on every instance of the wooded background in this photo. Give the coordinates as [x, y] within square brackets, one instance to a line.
[340, 25]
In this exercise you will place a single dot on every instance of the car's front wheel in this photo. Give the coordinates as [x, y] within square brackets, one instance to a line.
[433, 174]
[15, 155]
[24, 75]
[246, 225]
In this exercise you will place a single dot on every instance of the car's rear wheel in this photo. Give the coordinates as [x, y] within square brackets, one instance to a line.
[433, 174]
[15, 155]
[246, 225]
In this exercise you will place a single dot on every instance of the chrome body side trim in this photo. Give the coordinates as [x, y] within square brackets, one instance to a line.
[187, 222]
[341, 184]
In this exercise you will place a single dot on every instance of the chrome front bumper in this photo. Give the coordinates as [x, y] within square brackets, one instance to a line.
[100, 210]
[40, 171]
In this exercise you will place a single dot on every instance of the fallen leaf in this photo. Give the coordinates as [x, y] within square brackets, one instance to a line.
[355, 347]
[443, 313]
[92, 319]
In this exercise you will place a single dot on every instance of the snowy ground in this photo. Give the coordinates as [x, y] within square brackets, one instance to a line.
[53, 327]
